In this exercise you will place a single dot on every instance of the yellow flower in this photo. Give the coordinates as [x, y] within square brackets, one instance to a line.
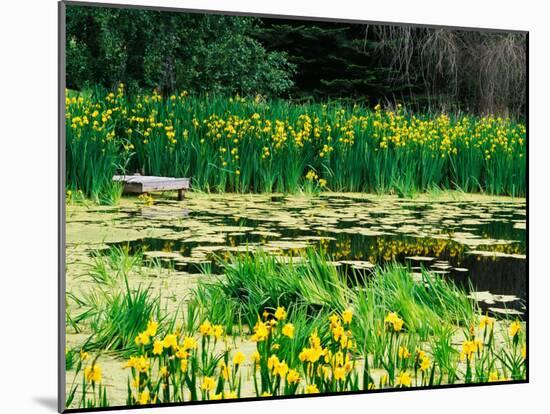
[93, 373]
[230, 395]
[261, 332]
[239, 358]
[288, 330]
[144, 397]
[524, 351]
[404, 379]
[469, 349]
[152, 328]
[293, 376]
[170, 341]
[255, 357]
[217, 396]
[131, 363]
[183, 365]
[272, 361]
[83, 355]
[189, 343]
[208, 384]
[403, 352]
[266, 394]
[311, 389]
[339, 373]
[515, 328]
[224, 370]
[334, 321]
[280, 369]
[163, 371]
[280, 313]
[158, 347]
[142, 364]
[425, 364]
[181, 353]
[142, 338]
[493, 376]
[347, 316]
[486, 321]
[205, 327]
[394, 320]
[217, 331]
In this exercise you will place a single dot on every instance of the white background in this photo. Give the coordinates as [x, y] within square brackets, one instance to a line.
[28, 210]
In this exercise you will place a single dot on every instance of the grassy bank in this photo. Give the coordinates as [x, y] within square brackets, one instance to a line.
[253, 145]
[268, 326]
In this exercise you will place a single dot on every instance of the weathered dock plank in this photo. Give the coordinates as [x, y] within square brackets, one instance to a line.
[139, 184]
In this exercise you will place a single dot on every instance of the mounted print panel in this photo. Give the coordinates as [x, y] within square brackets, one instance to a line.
[258, 207]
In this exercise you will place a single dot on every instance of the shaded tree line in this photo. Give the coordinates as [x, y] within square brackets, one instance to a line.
[426, 68]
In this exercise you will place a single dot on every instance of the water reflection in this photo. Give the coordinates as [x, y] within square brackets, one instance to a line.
[452, 239]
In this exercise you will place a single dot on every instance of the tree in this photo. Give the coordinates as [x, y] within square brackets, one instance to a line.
[171, 51]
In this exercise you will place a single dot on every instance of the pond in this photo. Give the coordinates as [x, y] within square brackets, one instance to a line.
[477, 241]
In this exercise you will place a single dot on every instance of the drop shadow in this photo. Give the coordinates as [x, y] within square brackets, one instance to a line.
[47, 402]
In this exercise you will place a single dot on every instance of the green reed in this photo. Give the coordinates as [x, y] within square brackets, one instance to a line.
[251, 145]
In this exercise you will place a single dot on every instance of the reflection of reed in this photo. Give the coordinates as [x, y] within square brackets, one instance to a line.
[384, 249]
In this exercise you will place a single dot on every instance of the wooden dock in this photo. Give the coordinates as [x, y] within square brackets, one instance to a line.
[140, 184]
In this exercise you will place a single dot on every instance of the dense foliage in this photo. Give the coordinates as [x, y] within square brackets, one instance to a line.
[168, 51]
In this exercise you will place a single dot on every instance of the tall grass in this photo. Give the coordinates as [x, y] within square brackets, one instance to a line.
[253, 145]
[252, 282]
[313, 286]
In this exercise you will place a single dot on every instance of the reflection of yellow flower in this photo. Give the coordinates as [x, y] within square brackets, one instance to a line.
[311, 389]
[288, 330]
